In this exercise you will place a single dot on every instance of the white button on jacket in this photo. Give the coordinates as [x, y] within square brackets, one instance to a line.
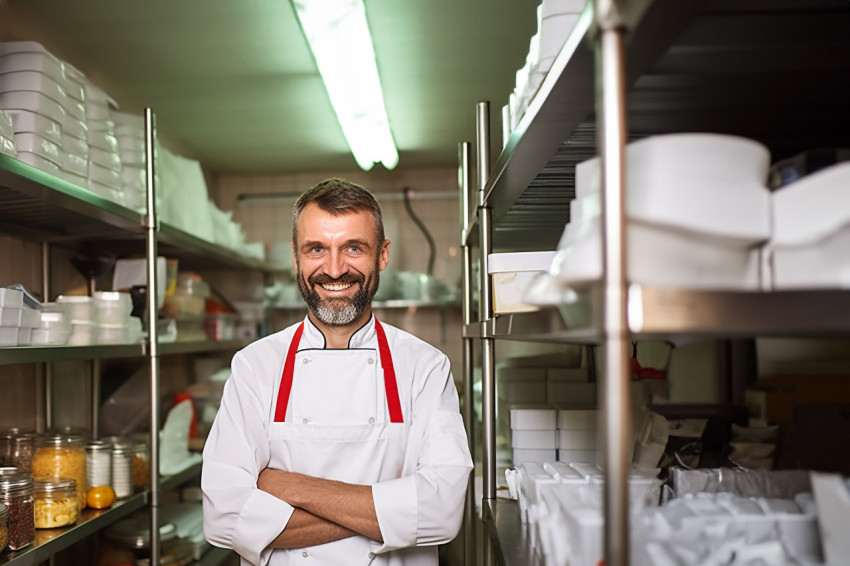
[418, 468]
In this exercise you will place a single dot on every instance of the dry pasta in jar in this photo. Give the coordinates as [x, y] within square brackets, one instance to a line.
[61, 456]
[56, 502]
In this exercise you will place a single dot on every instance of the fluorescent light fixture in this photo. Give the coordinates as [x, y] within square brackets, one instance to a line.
[339, 38]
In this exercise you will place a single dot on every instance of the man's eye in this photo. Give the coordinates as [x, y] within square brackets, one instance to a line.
[315, 250]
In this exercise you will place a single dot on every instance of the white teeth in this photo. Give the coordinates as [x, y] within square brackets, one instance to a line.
[337, 286]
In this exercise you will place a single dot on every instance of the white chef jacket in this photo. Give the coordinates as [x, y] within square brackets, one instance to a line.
[419, 506]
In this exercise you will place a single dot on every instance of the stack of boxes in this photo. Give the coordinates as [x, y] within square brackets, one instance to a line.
[541, 433]
[551, 409]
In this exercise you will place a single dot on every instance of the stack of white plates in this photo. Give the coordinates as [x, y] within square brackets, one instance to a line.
[104, 159]
[130, 132]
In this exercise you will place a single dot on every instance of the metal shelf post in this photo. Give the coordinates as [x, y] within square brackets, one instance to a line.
[611, 118]
[151, 228]
[464, 176]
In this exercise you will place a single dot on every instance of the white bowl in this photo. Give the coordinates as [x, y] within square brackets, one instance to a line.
[32, 61]
[34, 143]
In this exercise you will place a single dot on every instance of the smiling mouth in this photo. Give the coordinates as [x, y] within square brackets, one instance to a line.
[336, 286]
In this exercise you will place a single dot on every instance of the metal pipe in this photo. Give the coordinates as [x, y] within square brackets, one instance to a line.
[95, 398]
[611, 118]
[151, 227]
[485, 309]
[469, 518]
[44, 384]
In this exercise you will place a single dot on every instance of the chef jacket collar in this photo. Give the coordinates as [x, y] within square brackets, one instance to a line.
[363, 337]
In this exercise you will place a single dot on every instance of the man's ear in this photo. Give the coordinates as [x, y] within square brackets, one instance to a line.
[385, 254]
[294, 259]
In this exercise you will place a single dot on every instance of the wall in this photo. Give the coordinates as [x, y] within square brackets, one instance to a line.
[270, 221]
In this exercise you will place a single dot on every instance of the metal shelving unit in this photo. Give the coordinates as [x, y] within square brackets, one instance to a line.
[762, 69]
[36, 206]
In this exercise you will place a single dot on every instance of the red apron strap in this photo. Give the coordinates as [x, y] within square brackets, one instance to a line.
[390, 385]
[286, 377]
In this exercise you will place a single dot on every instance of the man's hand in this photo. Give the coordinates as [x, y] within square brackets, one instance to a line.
[348, 505]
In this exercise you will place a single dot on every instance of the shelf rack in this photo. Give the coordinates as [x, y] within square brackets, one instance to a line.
[38, 207]
[762, 69]
[50, 541]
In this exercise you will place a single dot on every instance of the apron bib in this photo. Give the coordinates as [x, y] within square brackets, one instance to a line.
[338, 416]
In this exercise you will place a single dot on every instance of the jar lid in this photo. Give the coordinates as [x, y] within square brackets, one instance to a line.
[134, 532]
[6, 471]
[48, 485]
[98, 446]
[60, 439]
[14, 484]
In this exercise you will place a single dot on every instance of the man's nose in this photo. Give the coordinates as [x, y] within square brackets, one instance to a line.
[336, 264]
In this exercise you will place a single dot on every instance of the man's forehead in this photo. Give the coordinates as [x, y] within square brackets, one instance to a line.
[314, 221]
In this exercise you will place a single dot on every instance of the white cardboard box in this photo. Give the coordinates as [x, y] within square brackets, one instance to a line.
[534, 439]
[533, 417]
[578, 419]
[570, 392]
[511, 275]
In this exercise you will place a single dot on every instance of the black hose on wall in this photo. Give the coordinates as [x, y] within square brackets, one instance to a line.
[432, 247]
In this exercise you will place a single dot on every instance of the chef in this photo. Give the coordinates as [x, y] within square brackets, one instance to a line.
[339, 439]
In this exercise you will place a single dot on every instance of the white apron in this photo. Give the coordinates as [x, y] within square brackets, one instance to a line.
[338, 417]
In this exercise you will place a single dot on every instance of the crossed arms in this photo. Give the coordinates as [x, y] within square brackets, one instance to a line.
[325, 510]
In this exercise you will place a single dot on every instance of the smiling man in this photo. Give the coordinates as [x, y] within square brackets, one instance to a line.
[339, 439]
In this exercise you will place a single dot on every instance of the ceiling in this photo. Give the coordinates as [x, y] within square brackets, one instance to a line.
[233, 83]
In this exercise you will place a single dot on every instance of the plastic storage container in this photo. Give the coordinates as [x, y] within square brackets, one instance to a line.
[79, 308]
[56, 503]
[62, 456]
[122, 470]
[112, 307]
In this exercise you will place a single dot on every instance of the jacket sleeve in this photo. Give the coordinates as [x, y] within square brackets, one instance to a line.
[425, 505]
[237, 515]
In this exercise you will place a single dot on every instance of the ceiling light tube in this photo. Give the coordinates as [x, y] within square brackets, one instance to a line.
[339, 38]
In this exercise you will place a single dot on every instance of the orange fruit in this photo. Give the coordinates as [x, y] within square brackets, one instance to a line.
[100, 497]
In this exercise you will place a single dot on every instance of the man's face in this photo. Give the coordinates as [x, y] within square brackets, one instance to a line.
[338, 259]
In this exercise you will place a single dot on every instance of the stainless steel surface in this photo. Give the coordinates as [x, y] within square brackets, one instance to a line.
[510, 536]
[89, 522]
[482, 145]
[151, 226]
[467, 359]
[615, 384]
[94, 414]
[464, 174]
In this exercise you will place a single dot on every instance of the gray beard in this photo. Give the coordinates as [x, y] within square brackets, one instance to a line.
[337, 312]
[337, 316]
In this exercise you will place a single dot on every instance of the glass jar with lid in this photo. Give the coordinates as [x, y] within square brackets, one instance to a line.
[21, 450]
[55, 502]
[4, 526]
[61, 456]
[141, 464]
[98, 463]
[16, 495]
